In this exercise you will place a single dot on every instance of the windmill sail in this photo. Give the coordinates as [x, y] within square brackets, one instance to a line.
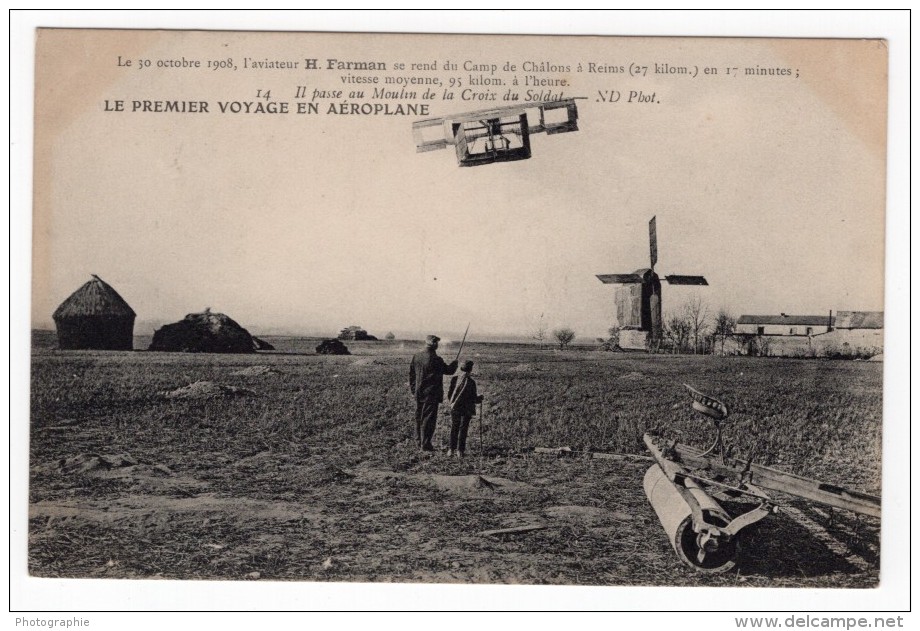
[686, 280]
[619, 279]
[653, 242]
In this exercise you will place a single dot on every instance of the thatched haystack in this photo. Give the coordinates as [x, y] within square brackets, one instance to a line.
[204, 332]
[95, 317]
[332, 347]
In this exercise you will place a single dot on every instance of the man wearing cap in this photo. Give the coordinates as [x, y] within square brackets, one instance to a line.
[462, 398]
[426, 380]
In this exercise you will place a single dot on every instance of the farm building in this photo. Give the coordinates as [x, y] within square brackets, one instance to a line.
[784, 324]
[855, 320]
[95, 317]
[858, 330]
[848, 334]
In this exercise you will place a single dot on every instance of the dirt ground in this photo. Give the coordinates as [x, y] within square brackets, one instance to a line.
[288, 466]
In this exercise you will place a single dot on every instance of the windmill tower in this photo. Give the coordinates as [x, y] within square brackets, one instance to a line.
[638, 299]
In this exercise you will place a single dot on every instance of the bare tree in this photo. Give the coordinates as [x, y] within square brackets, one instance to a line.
[564, 336]
[697, 313]
[678, 329]
[390, 336]
[724, 327]
[539, 332]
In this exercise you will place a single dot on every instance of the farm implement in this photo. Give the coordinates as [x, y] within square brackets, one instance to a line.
[682, 483]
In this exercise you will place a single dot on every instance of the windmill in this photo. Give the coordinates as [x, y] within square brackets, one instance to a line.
[500, 134]
[638, 299]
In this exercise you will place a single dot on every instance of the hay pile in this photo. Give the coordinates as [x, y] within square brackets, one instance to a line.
[523, 368]
[367, 361]
[207, 390]
[204, 332]
[332, 347]
[255, 371]
[474, 482]
[261, 345]
[84, 463]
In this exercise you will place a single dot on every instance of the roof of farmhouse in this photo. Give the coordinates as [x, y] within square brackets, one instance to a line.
[787, 320]
[843, 320]
[860, 319]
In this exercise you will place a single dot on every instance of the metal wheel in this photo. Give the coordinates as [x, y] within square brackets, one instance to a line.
[704, 553]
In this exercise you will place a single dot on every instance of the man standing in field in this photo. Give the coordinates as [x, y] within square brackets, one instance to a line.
[426, 380]
[462, 397]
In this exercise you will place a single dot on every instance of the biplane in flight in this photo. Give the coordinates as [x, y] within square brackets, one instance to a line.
[500, 134]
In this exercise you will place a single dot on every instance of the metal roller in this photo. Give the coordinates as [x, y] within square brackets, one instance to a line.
[704, 536]
[706, 547]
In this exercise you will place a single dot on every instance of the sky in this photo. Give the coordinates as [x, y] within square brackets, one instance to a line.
[770, 187]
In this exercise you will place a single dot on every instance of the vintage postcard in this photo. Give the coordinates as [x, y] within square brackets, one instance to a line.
[458, 309]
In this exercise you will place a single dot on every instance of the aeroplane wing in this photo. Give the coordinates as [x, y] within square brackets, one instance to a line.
[549, 117]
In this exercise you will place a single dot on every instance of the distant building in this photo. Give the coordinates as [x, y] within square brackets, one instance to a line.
[859, 331]
[849, 334]
[854, 320]
[800, 325]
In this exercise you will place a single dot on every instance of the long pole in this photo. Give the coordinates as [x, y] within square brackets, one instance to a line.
[457, 358]
[481, 418]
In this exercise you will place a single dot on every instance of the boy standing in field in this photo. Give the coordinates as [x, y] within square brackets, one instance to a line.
[426, 380]
[462, 397]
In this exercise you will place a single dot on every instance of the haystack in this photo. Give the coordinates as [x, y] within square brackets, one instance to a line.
[332, 347]
[204, 332]
[261, 345]
[95, 317]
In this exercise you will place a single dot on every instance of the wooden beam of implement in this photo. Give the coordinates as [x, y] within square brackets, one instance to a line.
[775, 480]
[596, 455]
[512, 531]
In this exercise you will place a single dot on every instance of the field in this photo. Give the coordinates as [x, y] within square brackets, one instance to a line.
[305, 467]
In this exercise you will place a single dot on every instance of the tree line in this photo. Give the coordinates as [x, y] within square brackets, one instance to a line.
[691, 329]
